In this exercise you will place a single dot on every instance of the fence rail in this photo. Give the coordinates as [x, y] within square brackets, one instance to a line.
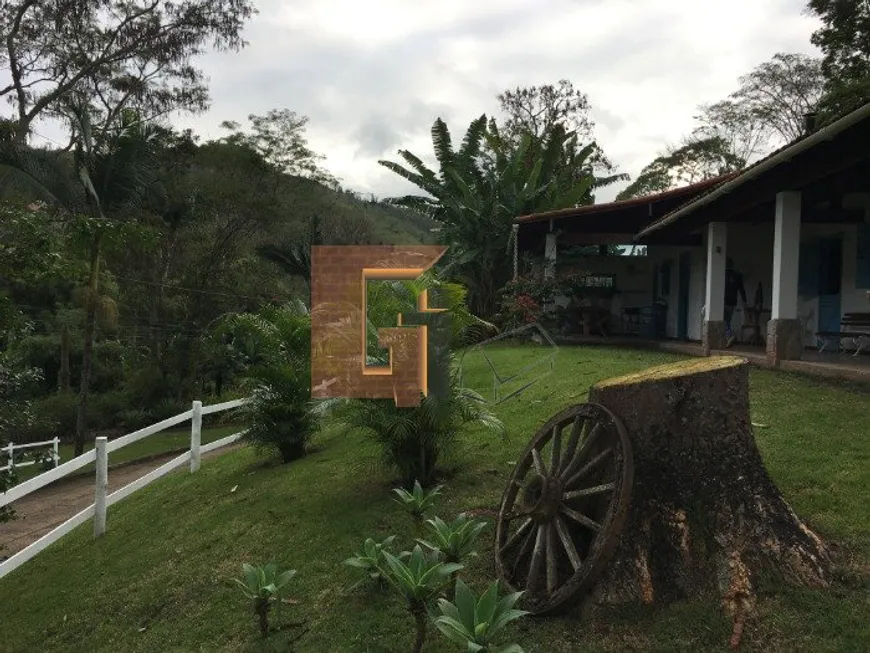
[9, 451]
[100, 455]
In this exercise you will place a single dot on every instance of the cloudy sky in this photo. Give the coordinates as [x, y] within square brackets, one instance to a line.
[372, 76]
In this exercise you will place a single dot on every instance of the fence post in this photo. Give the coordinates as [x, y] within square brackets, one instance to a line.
[11, 455]
[102, 486]
[195, 436]
[55, 444]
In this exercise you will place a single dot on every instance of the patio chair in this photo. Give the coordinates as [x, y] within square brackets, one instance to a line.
[751, 323]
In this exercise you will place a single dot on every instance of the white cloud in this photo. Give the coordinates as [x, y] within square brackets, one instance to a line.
[373, 76]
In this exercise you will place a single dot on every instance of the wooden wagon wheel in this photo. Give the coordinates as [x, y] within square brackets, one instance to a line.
[564, 507]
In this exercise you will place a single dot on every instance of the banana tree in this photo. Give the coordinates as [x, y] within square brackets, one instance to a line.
[482, 186]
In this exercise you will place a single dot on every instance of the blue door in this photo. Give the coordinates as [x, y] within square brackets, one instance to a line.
[830, 258]
[683, 296]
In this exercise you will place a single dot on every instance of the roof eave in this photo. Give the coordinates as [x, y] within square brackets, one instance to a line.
[783, 156]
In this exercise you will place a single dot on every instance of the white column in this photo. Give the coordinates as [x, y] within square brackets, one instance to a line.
[102, 486]
[714, 307]
[550, 256]
[195, 436]
[786, 249]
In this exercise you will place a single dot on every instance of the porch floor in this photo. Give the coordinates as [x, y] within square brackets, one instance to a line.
[833, 365]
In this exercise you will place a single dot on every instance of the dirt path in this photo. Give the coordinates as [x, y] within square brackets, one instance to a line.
[47, 508]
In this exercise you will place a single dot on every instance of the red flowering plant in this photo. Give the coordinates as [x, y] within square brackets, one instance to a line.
[523, 301]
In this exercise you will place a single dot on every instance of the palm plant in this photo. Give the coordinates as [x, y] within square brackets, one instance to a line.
[473, 623]
[277, 344]
[108, 176]
[455, 541]
[412, 440]
[418, 581]
[263, 585]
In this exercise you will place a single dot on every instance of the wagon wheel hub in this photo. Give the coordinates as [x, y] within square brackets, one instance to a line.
[564, 508]
[542, 497]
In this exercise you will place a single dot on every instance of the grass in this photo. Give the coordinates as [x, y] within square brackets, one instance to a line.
[153, 445]
[159, 579]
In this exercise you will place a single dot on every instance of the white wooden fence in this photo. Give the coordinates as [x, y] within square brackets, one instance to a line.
[9, 451]
[100, 455]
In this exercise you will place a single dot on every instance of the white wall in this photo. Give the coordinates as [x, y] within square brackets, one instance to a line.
[751, 248]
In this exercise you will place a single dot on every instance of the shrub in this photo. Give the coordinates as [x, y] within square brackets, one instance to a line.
[277, 344]
[146, 386]
[522, 301]
[412, 440]
[57, 417]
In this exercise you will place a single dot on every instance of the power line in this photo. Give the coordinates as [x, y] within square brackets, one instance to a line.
[193, 290]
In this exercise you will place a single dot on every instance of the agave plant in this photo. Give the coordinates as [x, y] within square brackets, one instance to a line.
[418, 581]
[419, 501]
[371, 559]
[455, 541]
[473, 623]
[264, 586]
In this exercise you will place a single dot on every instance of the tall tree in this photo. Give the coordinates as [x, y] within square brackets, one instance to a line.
[769, 105]
[279, 137]
[690, 163]
[105, 181]
[536, 110]
[115, 53]
[844, 39]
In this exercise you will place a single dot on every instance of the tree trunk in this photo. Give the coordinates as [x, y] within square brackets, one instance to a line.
[63, 380]
[90, 326]
[704, 513]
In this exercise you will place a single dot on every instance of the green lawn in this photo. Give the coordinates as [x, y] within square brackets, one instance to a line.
[153, 445]
[158, 581]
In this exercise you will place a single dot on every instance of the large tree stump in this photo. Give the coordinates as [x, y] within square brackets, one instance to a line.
[704, 514]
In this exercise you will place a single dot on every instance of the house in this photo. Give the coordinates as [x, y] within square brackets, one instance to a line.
[796, 224]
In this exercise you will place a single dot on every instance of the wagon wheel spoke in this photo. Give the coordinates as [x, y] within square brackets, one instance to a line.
[588, 467]
[516, 536]
[580, 518]
[552, 569]
[567, 544]
[523, 550]
[539, 462]
[577, 428]
[537, 555]
[577, 460]
[589, 491]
